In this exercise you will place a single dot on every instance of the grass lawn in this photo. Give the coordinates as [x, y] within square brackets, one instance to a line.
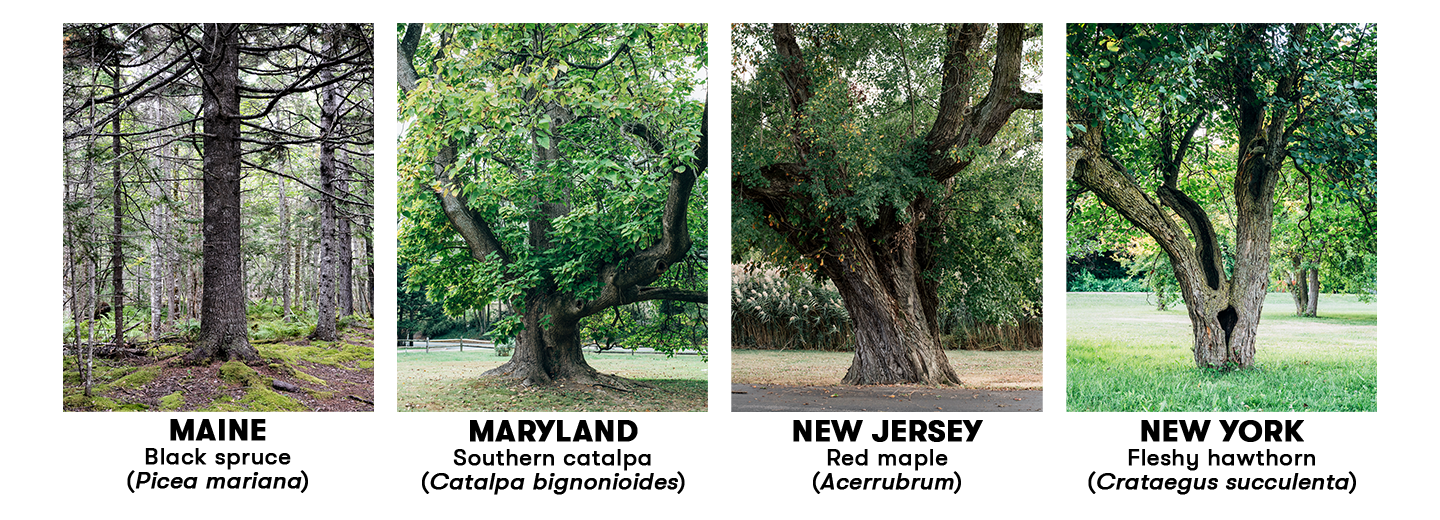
[1015, 370]
[450, 382]
[1124, 356]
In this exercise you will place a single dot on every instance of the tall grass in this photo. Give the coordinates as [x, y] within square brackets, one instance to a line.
[1123, 355]
[768, 311]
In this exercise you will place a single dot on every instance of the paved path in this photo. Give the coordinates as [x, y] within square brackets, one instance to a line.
[777, 398]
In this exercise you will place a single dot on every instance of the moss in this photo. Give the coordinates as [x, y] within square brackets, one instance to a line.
[131, 407]
[241, 374]
[334, 354]
[291, 370]
[168, 350]
[173, 401]
[137, 378]
[223, 404]
[262, 399]
[109, 373]
[320, 395]
[79, 401]
[308, 378]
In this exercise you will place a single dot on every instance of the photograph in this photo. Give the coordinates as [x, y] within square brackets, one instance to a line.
[218, 208]
[552, 248]
[886, 217]
[1221, 200]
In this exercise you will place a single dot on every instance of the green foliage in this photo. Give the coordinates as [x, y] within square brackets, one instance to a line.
[513, 154]
[1087, 282]
[874, 96]
[1142, 81]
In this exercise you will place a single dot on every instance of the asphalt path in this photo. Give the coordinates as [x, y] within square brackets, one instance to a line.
[778, 398]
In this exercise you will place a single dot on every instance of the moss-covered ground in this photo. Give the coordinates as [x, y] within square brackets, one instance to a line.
[328, 376]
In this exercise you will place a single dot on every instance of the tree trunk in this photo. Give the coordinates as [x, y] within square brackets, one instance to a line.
[1299, 289]
[117, 253]
[284, 252]
[896, 337]
[329, 250]
[344, 299]
[1312, 306]
[551, 353]
[223, 333]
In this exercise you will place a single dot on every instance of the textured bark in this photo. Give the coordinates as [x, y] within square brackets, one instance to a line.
[284, 259]
[344, 300]
[223, 333]
[117, 253]
[329, 241]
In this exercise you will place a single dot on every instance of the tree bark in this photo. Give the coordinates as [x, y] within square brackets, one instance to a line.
[1312, 305]
[284, 256]
[223, 333]
[117, 253]
[329, 249]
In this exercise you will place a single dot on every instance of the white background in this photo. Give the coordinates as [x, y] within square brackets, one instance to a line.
[736, 465]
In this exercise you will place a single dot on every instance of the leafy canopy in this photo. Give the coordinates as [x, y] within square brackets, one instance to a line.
[536, 115]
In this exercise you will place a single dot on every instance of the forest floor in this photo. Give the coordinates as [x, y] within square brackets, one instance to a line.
[450, 382]
[330, 377]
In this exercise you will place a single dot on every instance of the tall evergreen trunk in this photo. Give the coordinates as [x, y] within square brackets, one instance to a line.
[223, 333]
[369, 297]
[329, 249]
[117, 253]
[284, 256]
[344, 298]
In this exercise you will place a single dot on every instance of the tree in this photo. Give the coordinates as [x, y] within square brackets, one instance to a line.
[226, 97]
[1143, 97]
[554, 168]
[854, 161]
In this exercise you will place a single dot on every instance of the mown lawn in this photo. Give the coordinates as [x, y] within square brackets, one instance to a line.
[1124, 356]
[450, 382]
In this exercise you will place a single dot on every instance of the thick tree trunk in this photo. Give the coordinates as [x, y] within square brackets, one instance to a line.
[896, 338]
[550, 353]
[223, 333]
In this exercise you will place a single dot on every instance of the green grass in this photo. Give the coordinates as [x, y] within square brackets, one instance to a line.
[1124, 356]
[450, 382]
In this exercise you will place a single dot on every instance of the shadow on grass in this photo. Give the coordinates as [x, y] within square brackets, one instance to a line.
[505, 395]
